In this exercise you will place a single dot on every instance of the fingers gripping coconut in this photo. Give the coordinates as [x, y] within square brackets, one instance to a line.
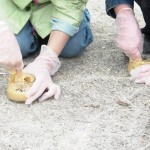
[10, 54]
[11, 59]
[136, 63]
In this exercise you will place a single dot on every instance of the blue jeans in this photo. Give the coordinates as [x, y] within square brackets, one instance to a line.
[74, 47]
[110, 4]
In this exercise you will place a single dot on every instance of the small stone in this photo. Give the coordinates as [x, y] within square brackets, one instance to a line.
[122, 103]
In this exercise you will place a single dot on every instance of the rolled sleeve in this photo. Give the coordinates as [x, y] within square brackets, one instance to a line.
[111, 4]
[69, 11]
[64, 27]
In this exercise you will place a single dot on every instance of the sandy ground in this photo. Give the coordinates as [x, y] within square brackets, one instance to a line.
[89, 114]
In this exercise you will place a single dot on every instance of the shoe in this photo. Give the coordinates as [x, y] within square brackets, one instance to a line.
[134, 64]
[18, 85]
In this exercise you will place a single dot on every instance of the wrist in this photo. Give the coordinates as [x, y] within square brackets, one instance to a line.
[118, 9]
[49, 58]
[136, 56]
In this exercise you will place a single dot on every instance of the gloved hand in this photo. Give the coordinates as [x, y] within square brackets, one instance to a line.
[45, 65]
[129, 38]
[141, 74]
[10, 54]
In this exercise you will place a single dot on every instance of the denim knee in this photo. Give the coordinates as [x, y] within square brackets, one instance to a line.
[26, 40]
[77, 44]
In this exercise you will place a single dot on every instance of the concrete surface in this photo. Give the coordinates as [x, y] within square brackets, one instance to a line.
[99, 108]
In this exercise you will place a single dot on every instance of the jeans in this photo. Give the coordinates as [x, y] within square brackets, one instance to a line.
[75, 46]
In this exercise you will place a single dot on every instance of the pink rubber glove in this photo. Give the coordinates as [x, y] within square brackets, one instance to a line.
[129, 38]
[45, 65]
[10, 54]
[141, 74]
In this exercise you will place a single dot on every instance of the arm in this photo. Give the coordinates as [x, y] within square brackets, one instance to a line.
[65, 23]
[129, 37]
[57, 41]
[142, 73]
[10, 54]
[67, 17]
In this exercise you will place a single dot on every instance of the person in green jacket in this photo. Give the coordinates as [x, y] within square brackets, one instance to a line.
[59, 27]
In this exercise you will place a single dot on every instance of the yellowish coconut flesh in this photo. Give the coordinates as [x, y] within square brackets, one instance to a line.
[134, 64]
[18, 84]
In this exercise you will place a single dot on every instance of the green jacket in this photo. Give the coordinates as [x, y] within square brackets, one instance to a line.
[45, 16]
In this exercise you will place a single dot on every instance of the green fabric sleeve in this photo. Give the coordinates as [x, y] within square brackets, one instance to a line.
[69, 11]
[22, 3]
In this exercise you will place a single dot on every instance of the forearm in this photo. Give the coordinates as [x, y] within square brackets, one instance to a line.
[57, 41]
[129, 37]
[118, 8]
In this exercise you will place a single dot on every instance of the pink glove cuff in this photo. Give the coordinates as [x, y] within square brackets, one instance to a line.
[50, 58]
[124, 9]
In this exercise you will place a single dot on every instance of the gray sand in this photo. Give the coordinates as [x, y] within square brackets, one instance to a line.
[99, 108]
